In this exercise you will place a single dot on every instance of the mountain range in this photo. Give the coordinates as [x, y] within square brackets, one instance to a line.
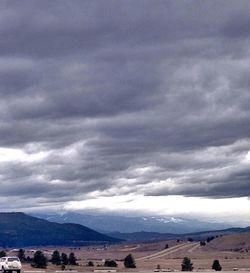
[18, 230]
[196, 236]
[126, 224]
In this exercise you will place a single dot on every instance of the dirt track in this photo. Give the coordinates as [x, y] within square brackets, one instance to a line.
[165, 252]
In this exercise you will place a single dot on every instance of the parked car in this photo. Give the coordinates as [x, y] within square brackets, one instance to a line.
[9, 264]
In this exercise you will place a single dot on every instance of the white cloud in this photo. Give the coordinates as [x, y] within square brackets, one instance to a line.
[106, 107]
[247, 157]
[223, 210]
[18, 155]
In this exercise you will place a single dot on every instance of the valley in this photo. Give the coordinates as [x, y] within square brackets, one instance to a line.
[149, 256]
[150, 250]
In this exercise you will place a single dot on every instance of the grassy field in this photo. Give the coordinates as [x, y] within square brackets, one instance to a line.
[231, 251]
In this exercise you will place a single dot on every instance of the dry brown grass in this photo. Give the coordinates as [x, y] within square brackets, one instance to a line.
[223, 249]
[231, 242]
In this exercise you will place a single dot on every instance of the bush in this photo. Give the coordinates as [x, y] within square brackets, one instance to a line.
[129, 262]
[21, 255]
[110, 263]
[209, 239]
[202, 243]
[186, 264]
[90, 263]
[56, 259]
[2, 253]
[72, 259]
[64, 259]
[28, 259]
[39, 260]
[216, 265]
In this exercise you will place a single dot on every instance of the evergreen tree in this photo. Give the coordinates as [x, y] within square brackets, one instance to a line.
[72, 259]
[2, 253]
[216, 265]
[129, 262]
[56, 259]
[202, 243]
[186, 264]
[39, 260]
[21, 255]
[65, 259]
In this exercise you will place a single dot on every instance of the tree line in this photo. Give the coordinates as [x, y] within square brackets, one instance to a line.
[187, 265]
[129, 262]
[39, 260]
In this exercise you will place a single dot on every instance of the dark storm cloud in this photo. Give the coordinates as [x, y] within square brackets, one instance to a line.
[109, 98]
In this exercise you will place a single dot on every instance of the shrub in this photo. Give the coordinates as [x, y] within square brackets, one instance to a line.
[56, 259]
[72, 259]
[90, 263]
[28, 259]
[39, 260]
[209, 239]
[216, 265]
[129, 262]
[110, 263]
[186, 264]
[64, 259]
[21, 255]
[2, 253]
[202, 243]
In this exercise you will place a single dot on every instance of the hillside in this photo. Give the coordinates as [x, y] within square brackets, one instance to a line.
[196, 236]
[235, 242]
[145, 236]
[19, 229]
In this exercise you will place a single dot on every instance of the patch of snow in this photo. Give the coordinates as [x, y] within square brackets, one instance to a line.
[166, 220]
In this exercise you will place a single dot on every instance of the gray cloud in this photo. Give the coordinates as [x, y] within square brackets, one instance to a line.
[150, 98]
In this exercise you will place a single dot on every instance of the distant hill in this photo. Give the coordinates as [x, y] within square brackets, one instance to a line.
[197, 236]
[145, 236]
[126, 224]
[239, 242]
[18, 229]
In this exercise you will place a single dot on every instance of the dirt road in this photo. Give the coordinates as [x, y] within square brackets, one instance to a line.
[165, 252]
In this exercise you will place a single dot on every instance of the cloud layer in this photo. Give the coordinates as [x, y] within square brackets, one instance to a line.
[108, 98]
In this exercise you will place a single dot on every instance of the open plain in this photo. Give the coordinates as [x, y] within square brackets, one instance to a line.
[233, 253]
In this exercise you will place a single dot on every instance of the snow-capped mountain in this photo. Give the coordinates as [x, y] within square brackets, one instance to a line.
[126, 224]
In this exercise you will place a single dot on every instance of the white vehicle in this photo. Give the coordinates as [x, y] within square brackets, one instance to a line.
[9, 264]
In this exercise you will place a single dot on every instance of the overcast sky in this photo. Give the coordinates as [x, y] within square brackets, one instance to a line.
[126, 107]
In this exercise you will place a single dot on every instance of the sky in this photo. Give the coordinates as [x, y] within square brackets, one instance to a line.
[126, 107]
